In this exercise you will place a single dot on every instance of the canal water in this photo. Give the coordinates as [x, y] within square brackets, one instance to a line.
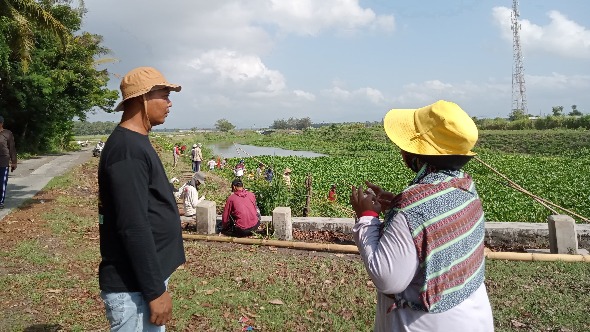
[230, 150]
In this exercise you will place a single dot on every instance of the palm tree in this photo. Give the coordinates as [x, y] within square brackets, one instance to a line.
[23, 15]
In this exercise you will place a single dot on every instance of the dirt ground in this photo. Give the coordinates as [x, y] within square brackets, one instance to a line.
[29, 224]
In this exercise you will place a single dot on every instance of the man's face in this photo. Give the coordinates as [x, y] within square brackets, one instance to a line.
[158, 106]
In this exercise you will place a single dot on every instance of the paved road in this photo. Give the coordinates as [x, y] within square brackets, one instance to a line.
[32, 175]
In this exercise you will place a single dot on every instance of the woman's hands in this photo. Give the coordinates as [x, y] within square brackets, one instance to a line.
[385, 198]
[362, 201]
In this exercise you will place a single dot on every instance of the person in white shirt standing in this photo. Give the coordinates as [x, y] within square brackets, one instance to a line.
[211, 163]
[190, 195]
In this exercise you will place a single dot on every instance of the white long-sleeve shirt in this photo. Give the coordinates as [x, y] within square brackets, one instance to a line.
[190, 198]
[392, 263]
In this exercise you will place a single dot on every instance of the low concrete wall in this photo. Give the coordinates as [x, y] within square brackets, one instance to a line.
[510, 234]
[528, 235]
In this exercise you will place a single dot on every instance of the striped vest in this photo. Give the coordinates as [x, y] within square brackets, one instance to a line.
[446, 221]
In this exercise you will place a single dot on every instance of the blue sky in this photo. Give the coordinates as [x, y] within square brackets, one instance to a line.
[256, 61]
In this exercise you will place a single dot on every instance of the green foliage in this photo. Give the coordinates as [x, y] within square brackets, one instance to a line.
[276, 193]
[536, 142]
[574, 121]
[224, 125]
[517, 115]
[292, 123]
[82, 128]
[61, 83]
[557, 110]
[21, 17]
[552, 171]
[575, 111]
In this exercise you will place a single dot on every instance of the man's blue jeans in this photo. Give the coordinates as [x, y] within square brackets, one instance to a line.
[129, 312]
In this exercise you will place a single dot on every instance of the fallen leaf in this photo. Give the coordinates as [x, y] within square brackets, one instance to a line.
[276, 301]
[54, 291]
[517, 324]
[210, 291]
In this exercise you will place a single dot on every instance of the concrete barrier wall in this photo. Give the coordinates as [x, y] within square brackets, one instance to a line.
[508, 234]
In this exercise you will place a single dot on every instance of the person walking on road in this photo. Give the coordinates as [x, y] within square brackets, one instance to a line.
[139, 223]
[7, 159]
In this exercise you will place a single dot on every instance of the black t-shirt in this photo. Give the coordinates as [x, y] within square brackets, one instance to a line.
[140, 236]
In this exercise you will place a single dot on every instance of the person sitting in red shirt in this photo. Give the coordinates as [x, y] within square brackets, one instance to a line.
[332, 193]
[240, 215]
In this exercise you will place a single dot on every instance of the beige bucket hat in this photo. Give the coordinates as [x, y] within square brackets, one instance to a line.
[142, 80]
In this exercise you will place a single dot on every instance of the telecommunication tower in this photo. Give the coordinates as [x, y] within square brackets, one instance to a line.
[518, 86]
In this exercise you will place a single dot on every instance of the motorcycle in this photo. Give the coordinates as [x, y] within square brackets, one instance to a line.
[96, 151]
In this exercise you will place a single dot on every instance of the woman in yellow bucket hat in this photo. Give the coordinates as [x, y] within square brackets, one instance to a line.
[426, 258]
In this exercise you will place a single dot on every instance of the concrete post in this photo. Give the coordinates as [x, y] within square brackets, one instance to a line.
[281, 220]
[563, 238]
[206, 217]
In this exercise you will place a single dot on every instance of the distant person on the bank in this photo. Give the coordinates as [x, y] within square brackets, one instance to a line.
[140, 236]
[332, 193]
[193, 164]
[197, 157]
[190, 194]
[240, 214]
[260, 171]
[211, 163]
[239, 169]
[182, 149]
[269, 174]
[287, 177]
[223, 163]
[7, 159]
[175, 154]
[426, 259]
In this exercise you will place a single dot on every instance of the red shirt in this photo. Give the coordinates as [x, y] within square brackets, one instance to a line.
[332, 195]
[240, 207]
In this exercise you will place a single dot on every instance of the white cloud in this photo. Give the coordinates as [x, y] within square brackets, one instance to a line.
[304, 95]
[363, 94]
[561, 36]
[557, 81]
[309, 17]
[421, 94]
[228, 69]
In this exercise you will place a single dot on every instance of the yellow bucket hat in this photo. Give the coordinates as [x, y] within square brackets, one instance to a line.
[440, 129]
[142, 80]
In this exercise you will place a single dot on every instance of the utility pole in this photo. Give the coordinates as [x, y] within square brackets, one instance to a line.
[519, 105]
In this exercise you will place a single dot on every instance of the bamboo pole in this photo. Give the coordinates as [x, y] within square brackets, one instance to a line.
[351, 249]
[276, 243]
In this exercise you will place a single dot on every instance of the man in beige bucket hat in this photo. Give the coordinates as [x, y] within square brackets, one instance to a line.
[426, 258]
[139, 223]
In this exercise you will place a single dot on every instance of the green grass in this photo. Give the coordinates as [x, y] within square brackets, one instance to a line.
[221, 283]
[31, 252]
[56, 282]
[545, 296]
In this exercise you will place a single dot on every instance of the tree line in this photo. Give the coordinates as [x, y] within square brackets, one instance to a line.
[48, 72]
